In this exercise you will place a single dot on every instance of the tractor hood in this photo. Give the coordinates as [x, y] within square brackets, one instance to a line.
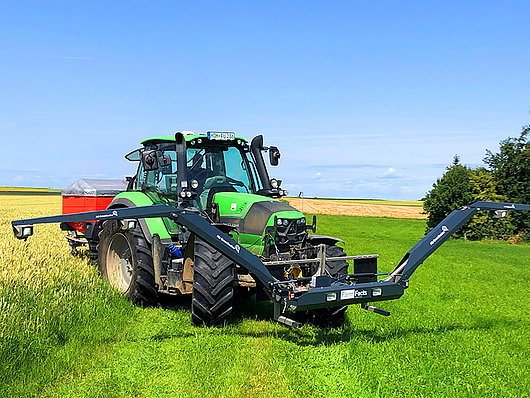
[253, 213]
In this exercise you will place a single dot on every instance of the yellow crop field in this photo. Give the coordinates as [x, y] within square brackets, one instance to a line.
[45, 257]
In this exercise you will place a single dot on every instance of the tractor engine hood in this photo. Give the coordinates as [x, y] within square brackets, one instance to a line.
[252, 213]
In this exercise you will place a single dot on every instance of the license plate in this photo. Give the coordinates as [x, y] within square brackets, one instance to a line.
[222, 136]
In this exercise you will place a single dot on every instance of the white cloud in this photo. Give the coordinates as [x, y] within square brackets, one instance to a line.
[390, 173]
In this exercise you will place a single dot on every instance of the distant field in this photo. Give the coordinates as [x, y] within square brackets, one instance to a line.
[414, 203]
[28, 191]
[460, 330]
[361, 207]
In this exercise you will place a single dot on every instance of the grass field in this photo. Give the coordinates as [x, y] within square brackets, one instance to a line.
[460, 330]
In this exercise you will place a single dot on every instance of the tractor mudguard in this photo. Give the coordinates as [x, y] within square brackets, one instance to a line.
[149, 226]
[323, 239]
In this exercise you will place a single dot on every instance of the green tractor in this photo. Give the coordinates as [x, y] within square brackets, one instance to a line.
[202, 217]
[225, 179]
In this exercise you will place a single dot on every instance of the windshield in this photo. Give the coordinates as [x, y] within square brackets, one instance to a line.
[218, 168]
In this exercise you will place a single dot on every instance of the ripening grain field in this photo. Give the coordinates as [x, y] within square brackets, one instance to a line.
[462, 328]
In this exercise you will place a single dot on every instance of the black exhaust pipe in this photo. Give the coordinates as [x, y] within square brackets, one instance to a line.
[256, 147]
[182, 171]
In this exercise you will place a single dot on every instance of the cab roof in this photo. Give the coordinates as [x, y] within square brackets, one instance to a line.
[188, 136]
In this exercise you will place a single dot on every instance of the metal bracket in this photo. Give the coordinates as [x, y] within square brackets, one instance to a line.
[322, 264]
[278, 311]
[157, 259]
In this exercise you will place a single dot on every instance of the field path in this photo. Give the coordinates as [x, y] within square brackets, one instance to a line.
[319, 206]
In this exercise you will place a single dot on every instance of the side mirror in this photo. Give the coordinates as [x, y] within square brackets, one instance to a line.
[149, 160]
[133, 156]
[274, 155]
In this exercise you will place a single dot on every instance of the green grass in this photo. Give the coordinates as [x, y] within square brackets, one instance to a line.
[460, 330]
[413, 203]
[29, 191]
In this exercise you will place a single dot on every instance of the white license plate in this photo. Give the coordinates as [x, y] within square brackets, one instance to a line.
[222, 136]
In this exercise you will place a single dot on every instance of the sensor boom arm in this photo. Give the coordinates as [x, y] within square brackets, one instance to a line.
[443, 231]
[324, 291]
[187, 218]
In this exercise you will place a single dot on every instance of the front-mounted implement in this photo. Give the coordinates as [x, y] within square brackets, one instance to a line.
[298, 294]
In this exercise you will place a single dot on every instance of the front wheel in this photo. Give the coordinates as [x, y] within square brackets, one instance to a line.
[125, 260]
[213, 286]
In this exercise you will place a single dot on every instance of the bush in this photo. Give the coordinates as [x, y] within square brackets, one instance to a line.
[481, 226]
[510, 170]
[450, 192]
[507, 180]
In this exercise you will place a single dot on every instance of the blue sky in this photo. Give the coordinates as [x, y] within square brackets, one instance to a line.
[364, 99]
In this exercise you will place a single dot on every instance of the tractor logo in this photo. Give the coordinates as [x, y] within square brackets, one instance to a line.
[353, 293]
[113, 214]
[444, 231]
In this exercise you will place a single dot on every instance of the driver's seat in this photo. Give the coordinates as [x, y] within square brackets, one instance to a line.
[213, 185]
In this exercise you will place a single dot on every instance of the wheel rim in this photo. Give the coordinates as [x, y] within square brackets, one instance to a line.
[119, 262]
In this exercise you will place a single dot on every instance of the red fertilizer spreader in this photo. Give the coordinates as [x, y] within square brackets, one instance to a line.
[87, 195]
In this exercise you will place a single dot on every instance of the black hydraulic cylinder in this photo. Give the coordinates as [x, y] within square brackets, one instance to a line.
[182, 170]
[379, 311]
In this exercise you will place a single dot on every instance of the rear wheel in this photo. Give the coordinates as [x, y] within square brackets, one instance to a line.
[213, 286]
[125, 260]
[331, 316]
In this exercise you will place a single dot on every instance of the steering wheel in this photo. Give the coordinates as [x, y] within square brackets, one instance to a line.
[237, 183]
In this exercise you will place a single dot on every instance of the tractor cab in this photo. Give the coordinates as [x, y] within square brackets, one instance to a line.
[190, 169]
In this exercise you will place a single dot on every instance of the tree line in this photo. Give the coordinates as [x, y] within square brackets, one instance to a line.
[506, 178]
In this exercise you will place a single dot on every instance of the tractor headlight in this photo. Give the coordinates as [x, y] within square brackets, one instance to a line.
[279, 222]
[194, 184]
[285, 223]
[188, 194]
[274, 183]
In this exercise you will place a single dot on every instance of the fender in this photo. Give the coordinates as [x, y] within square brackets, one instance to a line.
[327, 240]
[148, 226]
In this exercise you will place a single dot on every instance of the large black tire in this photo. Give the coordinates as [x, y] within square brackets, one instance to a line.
[331, 316]
[213, 286]
[125, 260]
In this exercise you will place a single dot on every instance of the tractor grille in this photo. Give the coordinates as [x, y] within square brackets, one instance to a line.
[291, 234]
